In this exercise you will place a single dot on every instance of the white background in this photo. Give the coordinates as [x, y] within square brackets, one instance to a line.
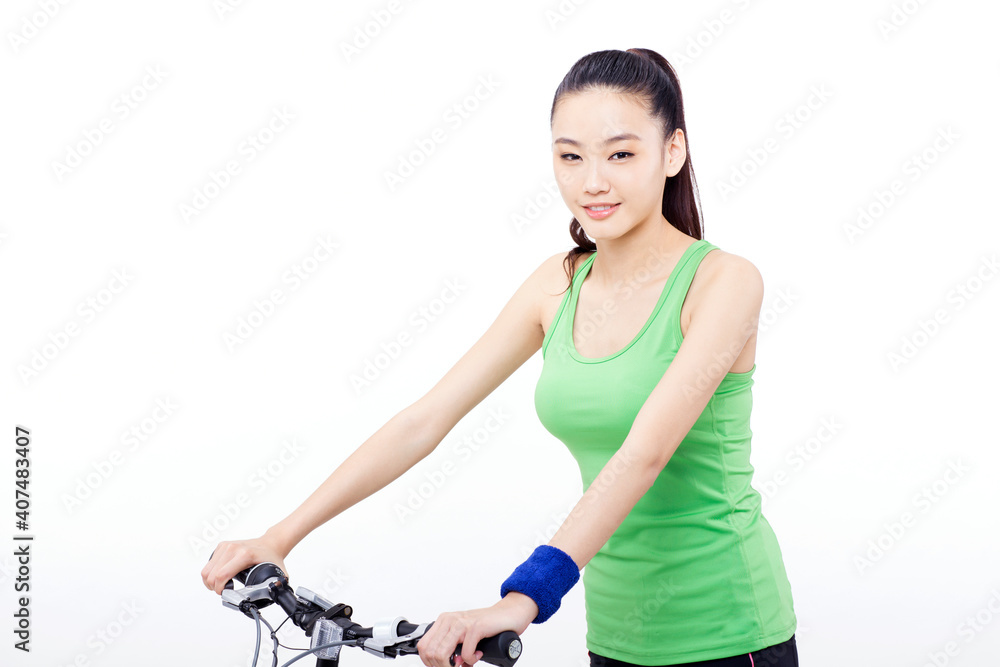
[838, 305]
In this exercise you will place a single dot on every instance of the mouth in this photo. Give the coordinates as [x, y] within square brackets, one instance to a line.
[599, 211]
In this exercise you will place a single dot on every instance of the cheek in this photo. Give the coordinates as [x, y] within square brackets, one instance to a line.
[648, 182]
[566, 180]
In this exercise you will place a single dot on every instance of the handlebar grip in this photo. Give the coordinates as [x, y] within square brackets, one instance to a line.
[502, 650]
[240, 576]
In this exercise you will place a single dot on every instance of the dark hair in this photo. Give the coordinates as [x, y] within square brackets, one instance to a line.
[647, 75]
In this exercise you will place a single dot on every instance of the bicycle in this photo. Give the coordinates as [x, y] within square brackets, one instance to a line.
[330, 626]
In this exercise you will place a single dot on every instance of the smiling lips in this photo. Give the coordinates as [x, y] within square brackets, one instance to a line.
[600, 210]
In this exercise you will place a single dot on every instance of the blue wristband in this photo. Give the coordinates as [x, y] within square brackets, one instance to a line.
[545, 577]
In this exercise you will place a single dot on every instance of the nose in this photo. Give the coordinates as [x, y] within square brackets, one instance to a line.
[596, 180]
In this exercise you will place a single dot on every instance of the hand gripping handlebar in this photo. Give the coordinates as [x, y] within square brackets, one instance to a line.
[330, 626]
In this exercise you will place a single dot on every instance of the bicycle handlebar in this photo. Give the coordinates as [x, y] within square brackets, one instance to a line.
[330, 626]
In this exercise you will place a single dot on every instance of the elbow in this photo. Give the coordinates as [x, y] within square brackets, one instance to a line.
[651, 457]
[419, 430]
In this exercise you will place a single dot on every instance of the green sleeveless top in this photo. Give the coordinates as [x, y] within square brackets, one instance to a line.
[694, 572]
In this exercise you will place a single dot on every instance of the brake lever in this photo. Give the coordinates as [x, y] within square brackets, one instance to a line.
[385, 643]
[409, 647]
[247, 596]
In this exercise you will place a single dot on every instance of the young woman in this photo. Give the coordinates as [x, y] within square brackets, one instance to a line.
[648, 335]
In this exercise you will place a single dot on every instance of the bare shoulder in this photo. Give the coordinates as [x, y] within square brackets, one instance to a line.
[540, 289]
[729, 272]
[723, 280]
[552, 272]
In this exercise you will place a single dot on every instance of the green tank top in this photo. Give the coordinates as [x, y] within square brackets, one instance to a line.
[694, 572]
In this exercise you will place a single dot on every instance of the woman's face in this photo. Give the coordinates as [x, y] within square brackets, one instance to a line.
[605, 148]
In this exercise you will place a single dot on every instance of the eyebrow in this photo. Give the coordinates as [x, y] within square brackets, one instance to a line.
[617, 137]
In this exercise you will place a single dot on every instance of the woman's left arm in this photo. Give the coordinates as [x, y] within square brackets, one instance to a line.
[722, 322]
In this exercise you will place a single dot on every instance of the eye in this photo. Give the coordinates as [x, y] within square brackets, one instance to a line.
[569, 157]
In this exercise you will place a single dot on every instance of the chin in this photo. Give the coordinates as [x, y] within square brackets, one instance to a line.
[609, 230]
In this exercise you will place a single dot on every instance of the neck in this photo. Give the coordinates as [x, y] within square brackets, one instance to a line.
[645, 254]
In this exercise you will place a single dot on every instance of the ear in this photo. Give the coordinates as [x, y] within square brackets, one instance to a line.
[674, 152]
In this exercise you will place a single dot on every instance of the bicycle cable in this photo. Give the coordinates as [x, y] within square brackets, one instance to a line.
[340, 642]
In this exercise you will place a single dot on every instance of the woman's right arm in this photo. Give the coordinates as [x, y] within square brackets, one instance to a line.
[410, 435]
[383, 457]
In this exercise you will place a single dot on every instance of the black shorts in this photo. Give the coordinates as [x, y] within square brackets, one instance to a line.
[784, 654]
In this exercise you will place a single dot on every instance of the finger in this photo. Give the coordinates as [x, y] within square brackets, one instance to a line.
[457, 636]
[222, 576]
[460, 659]
[207, 570]
[427, 645]
[210, 572]
[443, 647]
[208, 575]
[439, 654]
[210, 581]
[212, 578]
[422, 648]
[470, 639]
[469, 653]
